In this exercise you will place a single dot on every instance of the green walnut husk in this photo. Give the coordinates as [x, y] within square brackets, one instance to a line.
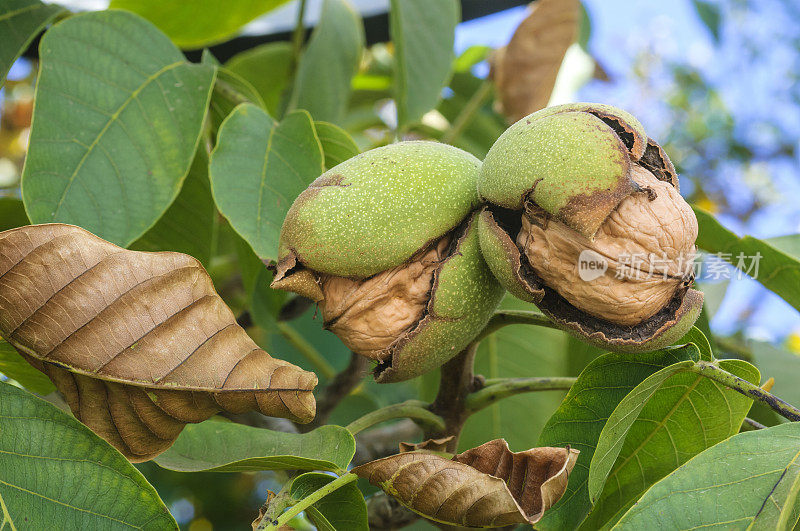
[387, 244]
[586, 178]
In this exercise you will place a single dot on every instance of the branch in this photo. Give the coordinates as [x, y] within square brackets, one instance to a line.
[496, 390]
[337, 388]
[503, 318]
[713, 372]
[411, 409]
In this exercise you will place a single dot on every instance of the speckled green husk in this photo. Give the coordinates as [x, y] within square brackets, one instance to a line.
[465, 295]
[574, 162]
[374, 211]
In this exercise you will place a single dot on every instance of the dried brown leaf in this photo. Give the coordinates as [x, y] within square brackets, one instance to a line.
[431, 445]
[525, 70]
[138, 343]
[487, 486]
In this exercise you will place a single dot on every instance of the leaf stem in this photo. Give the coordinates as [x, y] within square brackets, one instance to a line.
[712, 371]
[467, 113]
[412, 409]
[306, 349]
[503, 318]
[311, 499]
[501, 388]
[298, 34]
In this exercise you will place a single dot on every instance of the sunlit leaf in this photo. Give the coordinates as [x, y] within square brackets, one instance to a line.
[20, 22]
[750, 481]
[138, 343]
[258, 168]
[61, 475]
[200, 22]
[343, 508]
[117, 117]
[525, 70]
[227, 447]
[774, 268]
[423, 32]
[329, 62]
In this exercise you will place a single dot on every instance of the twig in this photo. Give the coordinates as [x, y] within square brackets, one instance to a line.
[412, 409]
[337, 388]
[457, 381]
[311, 499]
[503, 318]
[712, 371]
[381, 441]
[752, 424]
[467, 113]
[306, 349]
[499, 389]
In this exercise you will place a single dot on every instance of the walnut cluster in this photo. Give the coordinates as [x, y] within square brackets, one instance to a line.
[647, 244]
[370, 315]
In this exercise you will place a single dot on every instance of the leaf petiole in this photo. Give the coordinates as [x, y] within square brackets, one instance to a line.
[309, 500]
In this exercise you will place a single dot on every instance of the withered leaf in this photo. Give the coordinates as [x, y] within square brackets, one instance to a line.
[138, 343]
[431, 445]
[525, 70]
[487, 486]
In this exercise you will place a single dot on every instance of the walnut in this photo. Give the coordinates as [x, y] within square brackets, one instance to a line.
[647, 244]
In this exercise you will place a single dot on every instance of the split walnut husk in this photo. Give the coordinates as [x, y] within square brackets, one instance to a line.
[386, 243]
[584, 219]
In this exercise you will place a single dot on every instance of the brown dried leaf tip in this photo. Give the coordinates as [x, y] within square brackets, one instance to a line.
[487, 486]
[138, 343]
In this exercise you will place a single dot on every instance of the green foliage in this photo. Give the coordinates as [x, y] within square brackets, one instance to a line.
[267, 68]
[200, 22]
[20, 21]
[322, 85]
[219, 446]
[782, 365]
[257, 169]
[343, 508]
[140, 106]
[337, 145]
[644, 415]
[60, 473]
[13, 366]
[750, 481]
[12, 213]
[423, 33]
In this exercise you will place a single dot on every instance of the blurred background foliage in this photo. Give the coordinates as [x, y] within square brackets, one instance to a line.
[715, 81]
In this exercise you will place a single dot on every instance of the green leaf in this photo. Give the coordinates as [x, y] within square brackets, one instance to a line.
[227, 447]
[20, 22]
[583, 413]
[117, 117]
[56, 473]
[257, 169]
[750, 481]
[337, 144]
[665, 420]
[470, 57]
[230, 90]
[344, 508]
[198, 23]
[188, 225]
[782, 365]
[777, 270]
[423, 32]
[266, 68]
[15, 367]
[514, 352]
[710, 15]
[328, 64]
[12, 213]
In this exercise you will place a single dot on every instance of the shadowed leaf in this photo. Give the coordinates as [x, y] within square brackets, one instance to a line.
[267, 68]
[60, 475]
[227, 447]
[344, 508]
[525, 70]
[750, 481]
[20, 21]
[487, 486]
[117, 117]
[337, 144]
[138, 343]
[15, 367]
